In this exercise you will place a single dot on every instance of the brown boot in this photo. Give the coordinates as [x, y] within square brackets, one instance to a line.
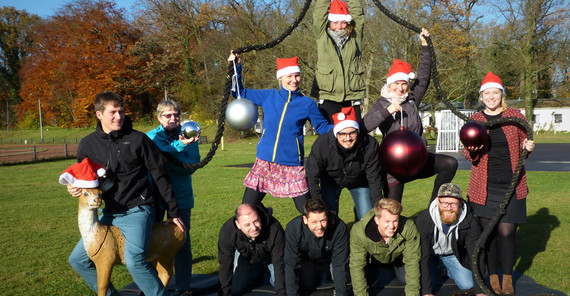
[495, 284]
[508, 288]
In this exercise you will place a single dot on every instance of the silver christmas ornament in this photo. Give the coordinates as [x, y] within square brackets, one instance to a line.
[190, 129]
[241, 114]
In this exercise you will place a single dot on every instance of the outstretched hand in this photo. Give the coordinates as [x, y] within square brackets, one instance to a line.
[234, 56]
[424, 34]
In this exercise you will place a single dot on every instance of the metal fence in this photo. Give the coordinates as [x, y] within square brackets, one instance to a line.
[448, 134]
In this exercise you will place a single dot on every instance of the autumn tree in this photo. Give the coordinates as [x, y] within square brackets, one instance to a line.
[15, 27]
[534, 28]
[455, 24]
[76, 54]
[178, 40]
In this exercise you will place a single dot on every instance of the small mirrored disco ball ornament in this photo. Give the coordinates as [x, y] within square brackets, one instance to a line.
[241, 114]
[190, 129]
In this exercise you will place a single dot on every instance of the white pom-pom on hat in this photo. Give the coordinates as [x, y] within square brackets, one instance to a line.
[101, 172]
[345, 118]
[81, 174]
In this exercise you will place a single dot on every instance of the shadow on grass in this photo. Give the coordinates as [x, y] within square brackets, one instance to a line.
[532, 237]
[203, 258]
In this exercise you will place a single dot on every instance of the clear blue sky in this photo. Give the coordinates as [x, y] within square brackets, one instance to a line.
[45, 8]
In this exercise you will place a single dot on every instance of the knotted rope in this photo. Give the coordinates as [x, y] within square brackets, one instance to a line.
[505, 120]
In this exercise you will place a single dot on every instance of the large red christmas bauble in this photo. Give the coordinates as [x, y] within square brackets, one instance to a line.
[403, 153]
[473, 134]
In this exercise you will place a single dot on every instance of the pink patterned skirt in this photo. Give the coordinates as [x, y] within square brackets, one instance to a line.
[279, 180]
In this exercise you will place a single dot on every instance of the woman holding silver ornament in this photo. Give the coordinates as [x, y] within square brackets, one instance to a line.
[278, 168]
[168, 137]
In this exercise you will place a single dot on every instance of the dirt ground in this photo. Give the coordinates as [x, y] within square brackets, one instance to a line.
[25, 153]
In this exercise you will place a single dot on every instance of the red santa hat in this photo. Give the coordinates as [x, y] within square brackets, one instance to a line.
[491, 81]
[83, 174]
[345, 118]
[287, 66]
[400, 71]
[339, 12]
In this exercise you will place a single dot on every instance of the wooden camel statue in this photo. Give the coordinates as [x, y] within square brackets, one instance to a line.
[105, 244]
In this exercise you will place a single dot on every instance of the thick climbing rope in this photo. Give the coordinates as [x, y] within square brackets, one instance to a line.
[435, 77]
[227, 91]
[506, 120]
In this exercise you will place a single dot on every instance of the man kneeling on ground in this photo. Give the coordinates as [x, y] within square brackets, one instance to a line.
[250, 244]
[316, 243]
[390, 241]
[448, 234]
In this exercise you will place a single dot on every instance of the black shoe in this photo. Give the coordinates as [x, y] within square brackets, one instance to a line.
[185, 293]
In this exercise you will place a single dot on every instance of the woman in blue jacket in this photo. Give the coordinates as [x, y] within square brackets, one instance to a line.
[278, 168]
[167, 137]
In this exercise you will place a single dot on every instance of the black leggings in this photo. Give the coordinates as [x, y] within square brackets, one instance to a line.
[328, 108]
[442, 165]
[501, 243]
[255, 197]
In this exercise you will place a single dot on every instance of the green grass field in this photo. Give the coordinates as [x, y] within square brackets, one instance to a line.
[39, 228]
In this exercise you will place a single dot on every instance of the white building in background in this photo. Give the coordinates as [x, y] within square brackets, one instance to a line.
[546, 119]
[551, 119]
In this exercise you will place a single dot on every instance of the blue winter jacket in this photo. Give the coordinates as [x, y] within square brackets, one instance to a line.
[284, 115]
[180, 178]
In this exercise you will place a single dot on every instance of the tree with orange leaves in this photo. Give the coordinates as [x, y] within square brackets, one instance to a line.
[76, 54]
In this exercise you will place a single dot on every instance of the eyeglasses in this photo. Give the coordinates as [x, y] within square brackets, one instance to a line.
[344, 135]
[453, 205]
[176, 115]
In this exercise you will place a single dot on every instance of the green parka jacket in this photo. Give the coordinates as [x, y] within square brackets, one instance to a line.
[405, 242]
[339, 75]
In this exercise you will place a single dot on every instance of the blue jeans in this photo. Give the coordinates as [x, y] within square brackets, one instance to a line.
[135, 225]
[183, 260]
[331, 194]
[246, 275]
[462, 276]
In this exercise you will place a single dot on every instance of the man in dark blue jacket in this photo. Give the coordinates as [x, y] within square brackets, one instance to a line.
[250, 244]
[128, 157]
[315, 243]
[345, 158]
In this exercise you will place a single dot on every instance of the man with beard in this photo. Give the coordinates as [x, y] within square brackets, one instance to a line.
[316, 246]
[448, 234]
[345, 158]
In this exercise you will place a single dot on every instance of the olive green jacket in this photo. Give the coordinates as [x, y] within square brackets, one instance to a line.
[405, 242]
[338, 77]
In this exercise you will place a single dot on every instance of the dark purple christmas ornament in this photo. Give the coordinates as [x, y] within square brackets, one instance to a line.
[473, 134]
[403, 153]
